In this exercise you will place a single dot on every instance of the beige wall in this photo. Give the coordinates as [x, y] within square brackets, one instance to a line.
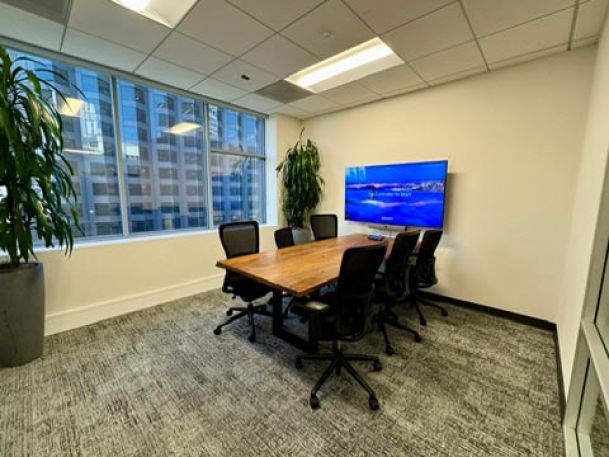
[513, 140]
[583, 271]
[106, 279]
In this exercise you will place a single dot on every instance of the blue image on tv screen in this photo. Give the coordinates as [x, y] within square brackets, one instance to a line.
[409, 194]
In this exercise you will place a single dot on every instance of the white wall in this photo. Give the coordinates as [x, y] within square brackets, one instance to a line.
[581, 275]
[513, 140]
[107, 279]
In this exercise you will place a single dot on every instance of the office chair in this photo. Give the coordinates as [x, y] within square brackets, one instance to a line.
[344, 316]
[391, 286]
[423, 275]
[324, 226]
[284, 238]
[242, 238]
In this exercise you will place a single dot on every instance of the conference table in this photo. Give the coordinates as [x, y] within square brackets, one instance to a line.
[298, 271]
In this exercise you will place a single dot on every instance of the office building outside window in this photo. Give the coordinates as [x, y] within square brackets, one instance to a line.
[148, 160]
[237, 165]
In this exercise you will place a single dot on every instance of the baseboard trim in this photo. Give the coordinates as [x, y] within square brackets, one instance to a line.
[523, 319]
[89, 314]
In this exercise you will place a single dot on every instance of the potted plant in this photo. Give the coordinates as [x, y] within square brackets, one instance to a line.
[37, 199]
[301, 186]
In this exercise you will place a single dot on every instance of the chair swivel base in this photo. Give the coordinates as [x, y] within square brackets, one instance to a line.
[340, 360]
[433, 305]
[392, 319]
[241, 311]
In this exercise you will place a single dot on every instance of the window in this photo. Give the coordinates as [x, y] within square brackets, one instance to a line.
[237, 165]
[169, 152]
[89, 142]
[176, 160]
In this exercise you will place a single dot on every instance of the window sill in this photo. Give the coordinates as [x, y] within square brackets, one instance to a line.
[110, 241]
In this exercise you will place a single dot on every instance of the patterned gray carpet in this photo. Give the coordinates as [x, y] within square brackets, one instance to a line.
[159, 383]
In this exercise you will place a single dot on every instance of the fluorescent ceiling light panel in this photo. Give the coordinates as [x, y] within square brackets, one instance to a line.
[355, 63]
[183, 128]
[166, 12]
[71, 107]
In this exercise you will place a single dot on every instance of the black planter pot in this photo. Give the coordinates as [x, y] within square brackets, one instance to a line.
[21, 314]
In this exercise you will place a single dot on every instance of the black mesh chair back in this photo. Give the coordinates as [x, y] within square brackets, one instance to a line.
[396, 266]
[324, 226]
[426, 260]
[240, 238]
[284, 238]
[354, 290]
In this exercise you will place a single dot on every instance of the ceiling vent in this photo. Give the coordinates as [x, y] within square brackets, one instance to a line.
[284, 92]
[55, 10]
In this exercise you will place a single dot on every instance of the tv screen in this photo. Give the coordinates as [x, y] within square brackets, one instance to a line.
[408, 194]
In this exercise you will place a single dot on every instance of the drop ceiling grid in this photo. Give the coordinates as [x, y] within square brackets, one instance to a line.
[350, 7]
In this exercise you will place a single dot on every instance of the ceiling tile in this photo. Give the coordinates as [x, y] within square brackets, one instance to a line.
[384, 15]
[458, 75]
[333, 18]
[223, 26]
[440, 30]
[314, 104]
[280, 56]
[232, 74]
[98, 50]
[460, 58]
[530, 56]
[117, 24]
[350, 93]
[192, 54]
[21, 25]
[257, 103]
[405, 90]
[291, 111]
[392, 80]
[218, 90]
[168, 73]
[489, 16]
[530, 37]
[590, 18]
[276, 13]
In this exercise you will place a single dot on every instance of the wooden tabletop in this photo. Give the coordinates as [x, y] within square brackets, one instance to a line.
[297, 270]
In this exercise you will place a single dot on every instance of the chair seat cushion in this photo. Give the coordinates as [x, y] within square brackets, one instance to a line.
[245, 288]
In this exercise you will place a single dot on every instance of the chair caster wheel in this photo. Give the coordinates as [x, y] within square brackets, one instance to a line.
[377, 366]
[389, 350]
[444, 312]
[252, 338]
[314, 402]
[373, 403]
[229, 312]
[217, 331]
[298, 364]
[417, 338]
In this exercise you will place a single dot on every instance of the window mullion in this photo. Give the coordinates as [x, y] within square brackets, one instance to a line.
[120, 159]
[210, 197]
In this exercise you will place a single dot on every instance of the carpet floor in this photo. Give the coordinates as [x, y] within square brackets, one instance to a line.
[159, 383]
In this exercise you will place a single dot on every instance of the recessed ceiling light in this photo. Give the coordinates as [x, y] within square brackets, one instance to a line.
[355, 63]
[71, 107]
[135, 5]
[183, 128]
[165, 12]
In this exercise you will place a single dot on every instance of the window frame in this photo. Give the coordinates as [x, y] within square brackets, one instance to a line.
[115, 75]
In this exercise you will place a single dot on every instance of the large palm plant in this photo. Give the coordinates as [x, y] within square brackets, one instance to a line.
[302, 184]
[37, 197]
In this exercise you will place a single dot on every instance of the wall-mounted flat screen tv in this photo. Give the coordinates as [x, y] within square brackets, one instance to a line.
[403, 194]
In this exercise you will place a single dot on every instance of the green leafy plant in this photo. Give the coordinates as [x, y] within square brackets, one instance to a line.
[36, 191]
[302, 184]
